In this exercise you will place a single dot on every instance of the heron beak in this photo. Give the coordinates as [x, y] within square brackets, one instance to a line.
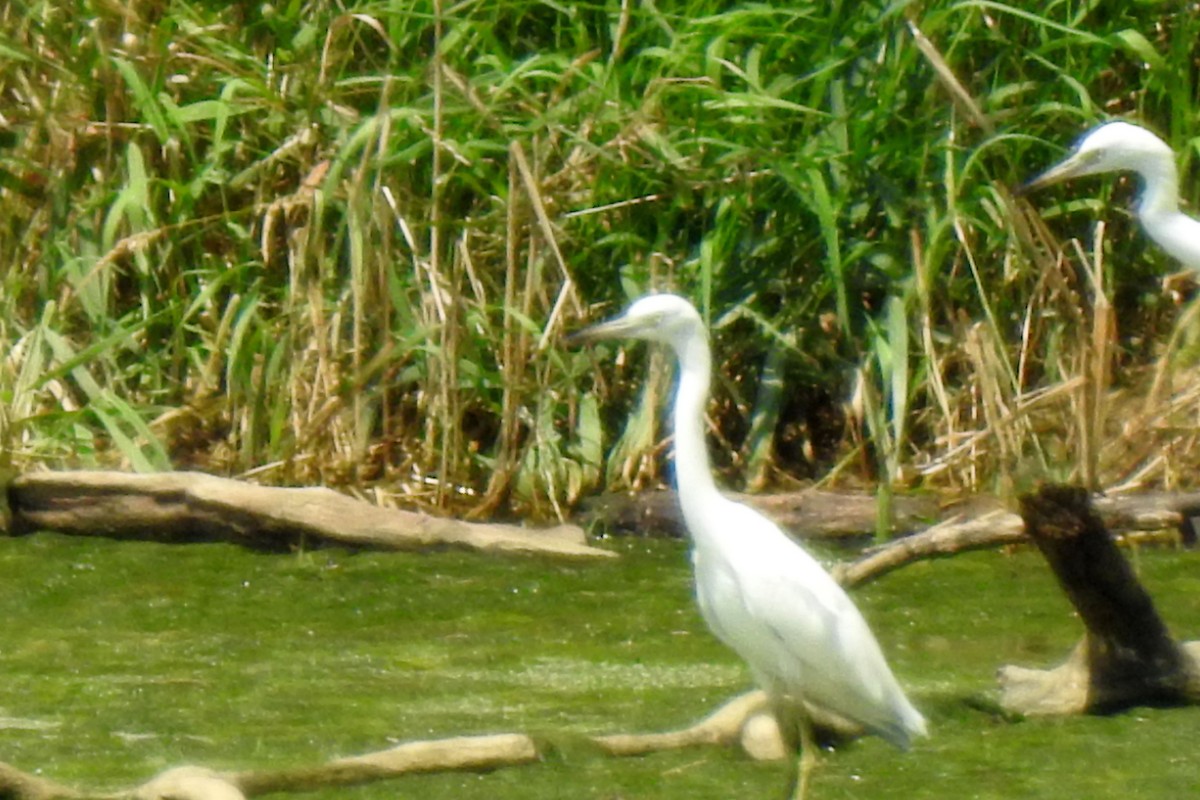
[616, 328]
[1071, 167]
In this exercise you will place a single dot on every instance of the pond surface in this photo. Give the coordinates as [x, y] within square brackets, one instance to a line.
[120, 659]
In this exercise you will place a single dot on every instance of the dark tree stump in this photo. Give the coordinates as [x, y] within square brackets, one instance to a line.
[1127, 657]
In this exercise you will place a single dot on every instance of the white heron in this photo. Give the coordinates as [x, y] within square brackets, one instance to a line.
[758, 590]
[1117, 146]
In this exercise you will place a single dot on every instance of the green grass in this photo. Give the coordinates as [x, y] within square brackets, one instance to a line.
[122, 659]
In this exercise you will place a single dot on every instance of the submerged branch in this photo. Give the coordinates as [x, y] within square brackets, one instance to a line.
[738, 721]
[460, 754]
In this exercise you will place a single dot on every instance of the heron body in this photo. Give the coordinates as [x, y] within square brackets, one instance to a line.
[801, 635]
[758, 590]
[1118, 146]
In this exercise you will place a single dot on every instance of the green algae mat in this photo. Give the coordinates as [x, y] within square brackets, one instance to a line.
[122, 659]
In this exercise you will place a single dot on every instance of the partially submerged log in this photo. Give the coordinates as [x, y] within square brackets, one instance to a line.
[810, 513]
[192, 506]
[1127, 657]
[459, 754]
[818, 514]
[740, 721]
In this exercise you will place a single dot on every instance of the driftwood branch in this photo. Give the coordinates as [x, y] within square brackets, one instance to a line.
[1127, 657]
[192, 506]
[745, 720]
[722, 727]
[993, 529]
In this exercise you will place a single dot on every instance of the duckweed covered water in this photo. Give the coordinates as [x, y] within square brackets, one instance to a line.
[120, 659]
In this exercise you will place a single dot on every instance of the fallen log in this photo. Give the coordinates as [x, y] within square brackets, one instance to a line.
[1127, 657]
[193, 506]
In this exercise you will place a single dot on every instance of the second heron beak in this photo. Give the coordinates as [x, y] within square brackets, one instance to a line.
[616, 328]
[1072, 166]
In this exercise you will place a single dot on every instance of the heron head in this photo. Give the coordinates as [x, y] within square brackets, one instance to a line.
[1111, 147]
[665, 318]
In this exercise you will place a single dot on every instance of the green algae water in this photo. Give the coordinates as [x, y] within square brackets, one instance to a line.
[121, 659]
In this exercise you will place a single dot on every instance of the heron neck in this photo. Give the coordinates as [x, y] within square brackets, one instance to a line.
[1160, 189]
[1158, 211]
[693, 474]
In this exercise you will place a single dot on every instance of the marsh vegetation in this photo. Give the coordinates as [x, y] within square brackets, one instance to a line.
[337, 243]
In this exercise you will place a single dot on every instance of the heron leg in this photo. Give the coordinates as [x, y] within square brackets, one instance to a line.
[808, 757]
